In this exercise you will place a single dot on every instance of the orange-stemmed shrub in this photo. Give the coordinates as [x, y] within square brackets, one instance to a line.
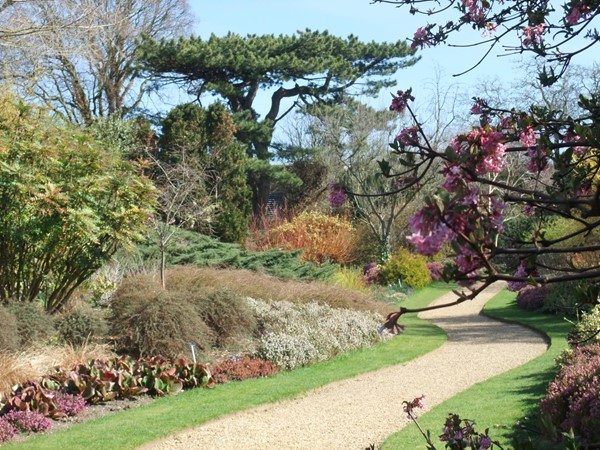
[322, 238]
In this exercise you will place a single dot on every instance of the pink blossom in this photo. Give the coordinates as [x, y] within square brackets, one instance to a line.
[572, 138]
[400, 101]
[421, 38]
[528, 137]
[478, 106]
[532, 35]
[468, 261]
[538, 161]
[408, 136]
[476, 11]
[579, 11]
[429, 232]
[454, 177]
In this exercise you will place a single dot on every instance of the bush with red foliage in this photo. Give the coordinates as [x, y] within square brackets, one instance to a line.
[242, 368]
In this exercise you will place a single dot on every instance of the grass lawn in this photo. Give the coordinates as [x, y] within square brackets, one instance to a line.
[165, 416]
[500, 402]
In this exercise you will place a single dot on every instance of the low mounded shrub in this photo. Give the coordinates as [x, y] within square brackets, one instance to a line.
[239, 369]
[9, 333]
[350, 278]
[406, 267]
[28, 421]
[293, 335]
[69, 404]
[147, 320]
[532, 298]
[573, 398]
[34, 325]
[81, 325]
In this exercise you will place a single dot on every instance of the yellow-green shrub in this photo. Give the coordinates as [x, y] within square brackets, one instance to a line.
[350, 278]
[406, 267]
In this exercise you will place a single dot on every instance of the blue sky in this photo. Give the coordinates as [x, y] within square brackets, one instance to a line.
[378, 22]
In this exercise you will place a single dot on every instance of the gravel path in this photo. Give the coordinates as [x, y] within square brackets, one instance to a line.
[353, 413]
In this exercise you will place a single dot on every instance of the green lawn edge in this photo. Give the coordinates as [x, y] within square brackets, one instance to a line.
[165, 416]
[500, 402]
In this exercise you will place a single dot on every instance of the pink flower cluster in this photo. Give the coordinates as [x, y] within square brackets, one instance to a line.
[475, 10]
[521, 272]
[409, 407]
[429, 232]
[532, 35]
[578, 12]
[422, 37]
[400, 100]
[482, 149]
[408, 136]
[460, 433]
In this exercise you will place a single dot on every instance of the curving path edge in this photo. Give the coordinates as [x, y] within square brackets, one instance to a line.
[353, 413]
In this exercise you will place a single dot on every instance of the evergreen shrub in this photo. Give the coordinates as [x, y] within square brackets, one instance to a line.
[406, 267]
[81, 325]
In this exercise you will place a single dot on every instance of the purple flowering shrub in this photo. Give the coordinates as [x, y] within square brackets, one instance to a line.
[460, 434]
[573, 398]
[27, 421]
[371, 273]
[69, 404]
[532, 297]
[7, 430]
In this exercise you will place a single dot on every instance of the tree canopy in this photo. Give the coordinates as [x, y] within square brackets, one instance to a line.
[305, 67]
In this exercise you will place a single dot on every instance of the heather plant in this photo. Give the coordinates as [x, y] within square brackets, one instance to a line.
[372, 273]
[69, 404]
[532, 298]
[28, 421]
[7, 430]
[322, 238]
[407, 268]
[572, 400]
[293, 335]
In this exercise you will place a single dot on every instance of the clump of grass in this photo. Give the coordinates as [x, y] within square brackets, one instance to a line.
[259, 285]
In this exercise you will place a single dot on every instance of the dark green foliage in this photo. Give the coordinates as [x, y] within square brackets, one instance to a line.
[309, 65]
[81, 325]
[9, 333]
[193, 248]
[239, 369]
[34, 325]
[149, 321]
[207, 135]
[407, 268]
[570, 298]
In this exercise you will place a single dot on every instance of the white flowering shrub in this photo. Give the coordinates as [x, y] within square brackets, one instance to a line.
[294, 335]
